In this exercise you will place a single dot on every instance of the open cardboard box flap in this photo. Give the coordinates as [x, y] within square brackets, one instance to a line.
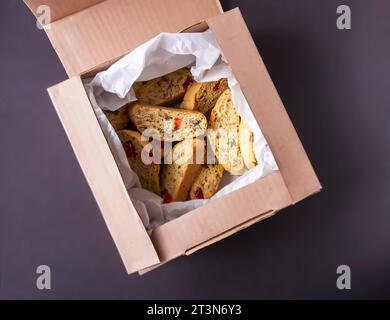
[295, 181]
[99, 167]
[89, 33]
[60, 8]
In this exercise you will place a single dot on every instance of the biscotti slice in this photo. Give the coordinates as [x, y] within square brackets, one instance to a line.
[226, 148]
[207, 183]
[203, 96]
[119, 119]
[224, 137]
[246, 146]
[164, 90]
[178, 177]
[139, 154]
[167, 124]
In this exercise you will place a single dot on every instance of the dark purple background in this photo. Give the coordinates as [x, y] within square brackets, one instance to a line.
[336, 88]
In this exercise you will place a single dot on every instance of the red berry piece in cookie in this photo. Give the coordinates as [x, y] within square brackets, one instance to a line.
[188, 82]
[199, 194]
[167, 198]
[130, 149]
[177, 123]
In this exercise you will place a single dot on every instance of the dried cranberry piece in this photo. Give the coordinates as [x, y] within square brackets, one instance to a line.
[188, 82]
[167, 198]
[199, 194]
[130, 149]
[217, 86]
[177, 123]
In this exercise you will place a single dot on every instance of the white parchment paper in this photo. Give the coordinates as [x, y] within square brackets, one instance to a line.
[167, 52]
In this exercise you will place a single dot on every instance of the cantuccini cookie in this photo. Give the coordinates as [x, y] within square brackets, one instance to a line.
[119, 119]
[203, 96]
[164, 90]
[224, 136]
[167, 124]
[246, 146]
[177, 178]
[140, 155]
[207, 182]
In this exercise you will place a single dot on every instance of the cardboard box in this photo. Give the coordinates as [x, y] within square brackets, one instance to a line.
[89, 35]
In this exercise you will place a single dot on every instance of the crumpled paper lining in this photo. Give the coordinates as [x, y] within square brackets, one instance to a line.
[112, 89]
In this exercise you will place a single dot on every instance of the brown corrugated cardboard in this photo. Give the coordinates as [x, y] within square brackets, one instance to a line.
[78, 49]
[60, 8]
[112, 28]
[221, 216]
[99, 167]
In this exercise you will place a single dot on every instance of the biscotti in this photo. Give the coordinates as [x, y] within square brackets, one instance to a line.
[164, 90]
[246, 146]
[167, 124]
[224, 136]
[119, 119]
[140, 155]
[207, 182]
[203, 96]
[177, 178]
